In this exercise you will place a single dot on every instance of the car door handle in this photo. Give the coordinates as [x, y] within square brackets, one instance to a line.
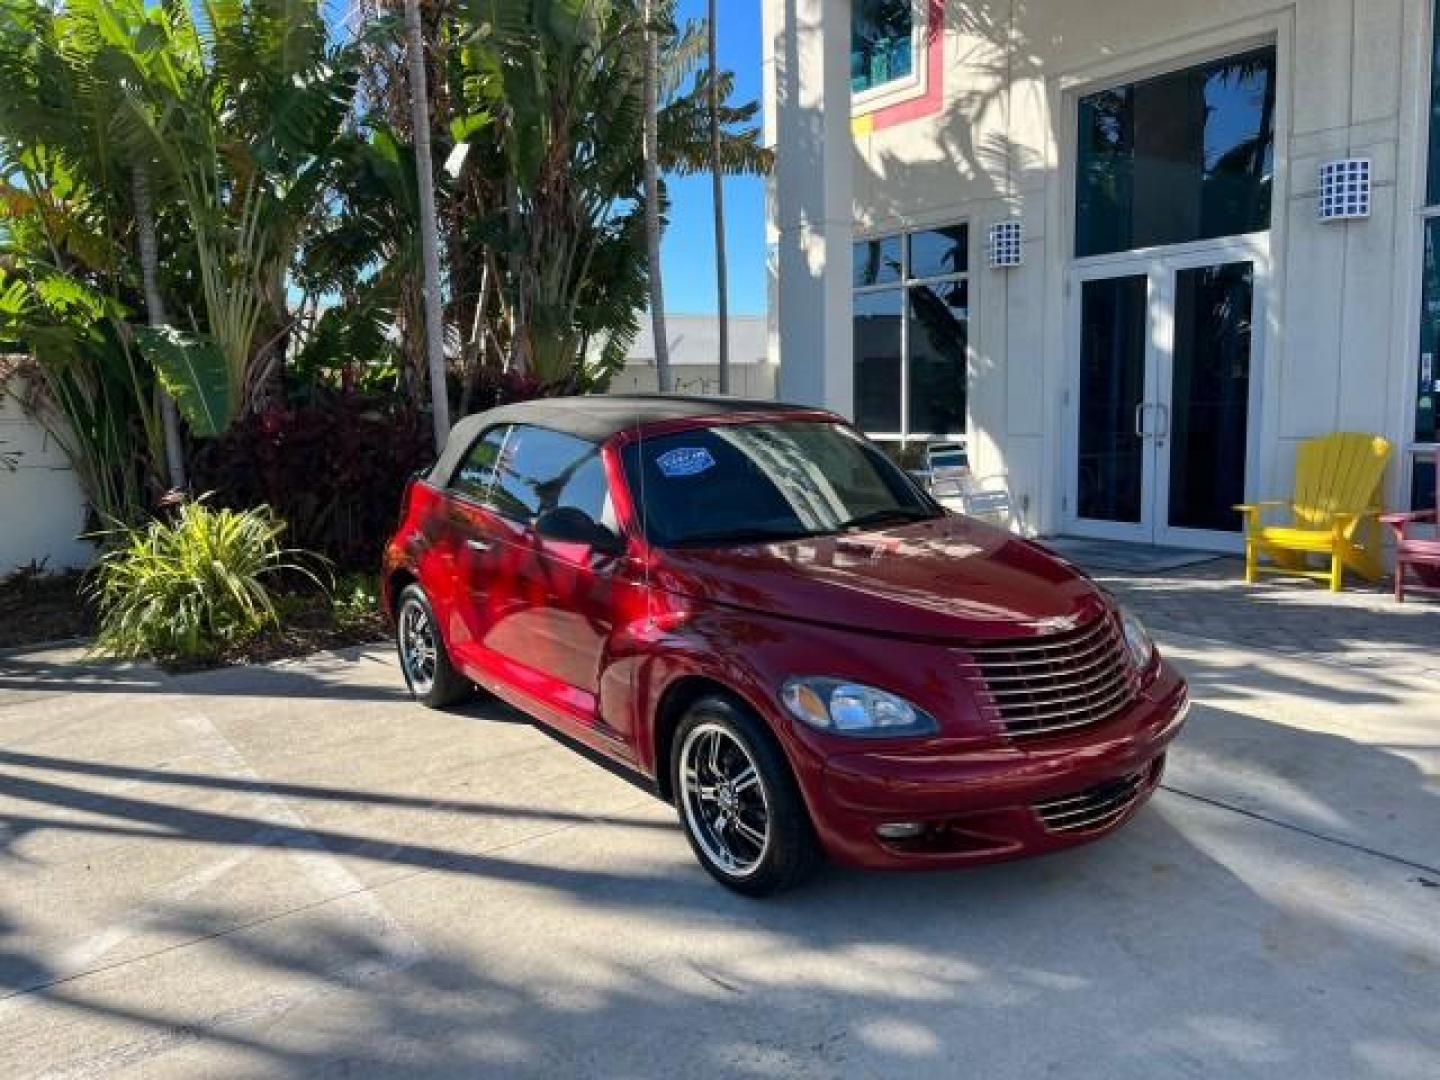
[478, 545]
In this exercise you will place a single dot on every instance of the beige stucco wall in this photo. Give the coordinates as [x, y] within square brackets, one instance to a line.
[1341, 314]
[746, 380]
[694, 357]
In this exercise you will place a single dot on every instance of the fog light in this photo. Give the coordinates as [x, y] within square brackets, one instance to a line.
[900, 830]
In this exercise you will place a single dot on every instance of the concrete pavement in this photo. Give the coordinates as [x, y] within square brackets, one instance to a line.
[292, 871]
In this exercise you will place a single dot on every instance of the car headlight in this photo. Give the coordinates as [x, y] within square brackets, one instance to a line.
[1137, 640]
[847, 708]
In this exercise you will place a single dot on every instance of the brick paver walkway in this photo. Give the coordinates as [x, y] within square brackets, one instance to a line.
[1361, 627]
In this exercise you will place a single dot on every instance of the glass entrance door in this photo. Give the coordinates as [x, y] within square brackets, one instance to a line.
[1160, 401]
[1114, 474]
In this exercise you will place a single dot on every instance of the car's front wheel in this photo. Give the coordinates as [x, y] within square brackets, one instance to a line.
[738, 802]
[424, 660]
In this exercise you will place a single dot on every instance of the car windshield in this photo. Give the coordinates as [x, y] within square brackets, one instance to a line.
[781, 480]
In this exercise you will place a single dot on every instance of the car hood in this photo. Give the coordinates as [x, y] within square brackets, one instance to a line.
[950, 578]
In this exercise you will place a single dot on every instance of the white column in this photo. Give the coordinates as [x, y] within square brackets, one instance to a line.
[814, 208]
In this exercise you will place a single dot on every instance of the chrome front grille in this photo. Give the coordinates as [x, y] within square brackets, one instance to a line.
[1094, 808]
[1057, 682]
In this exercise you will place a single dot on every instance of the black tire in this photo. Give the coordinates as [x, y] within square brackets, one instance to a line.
[741, 740]
[433, 681]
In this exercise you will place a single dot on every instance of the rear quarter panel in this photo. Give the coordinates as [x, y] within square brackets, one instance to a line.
[423, 548]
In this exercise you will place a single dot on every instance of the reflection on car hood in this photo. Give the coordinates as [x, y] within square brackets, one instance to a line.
[947, 578]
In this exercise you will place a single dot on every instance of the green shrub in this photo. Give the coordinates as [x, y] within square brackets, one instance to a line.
[192, 587]
[355, 602]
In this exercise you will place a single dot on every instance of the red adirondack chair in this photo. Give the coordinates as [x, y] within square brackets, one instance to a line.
[1414, 553]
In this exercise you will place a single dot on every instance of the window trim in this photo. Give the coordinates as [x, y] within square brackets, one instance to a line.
[905, 436]
[914, 85]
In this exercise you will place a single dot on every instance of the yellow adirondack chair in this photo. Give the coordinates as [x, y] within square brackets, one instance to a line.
[1335, 513]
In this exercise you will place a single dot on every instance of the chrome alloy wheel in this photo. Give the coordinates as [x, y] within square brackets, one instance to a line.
[724, 800]
[418, 651]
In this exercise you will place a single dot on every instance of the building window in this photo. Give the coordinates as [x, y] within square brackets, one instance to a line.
[912, 333]
[1185, 156]
[1427, 423]
[1433, 185]
[1427, 395]
[882, 44]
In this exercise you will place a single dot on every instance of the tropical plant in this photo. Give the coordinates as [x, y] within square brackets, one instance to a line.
[355, 602]
[169, 160]
[204, 199]
[333, 467]
[242, 115]
[191, 588]
[66, 288]
[563, 207]
[564, 79]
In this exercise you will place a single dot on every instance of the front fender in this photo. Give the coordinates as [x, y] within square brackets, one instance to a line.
[751, 655]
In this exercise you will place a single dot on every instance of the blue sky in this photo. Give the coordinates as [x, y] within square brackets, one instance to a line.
[688, 256]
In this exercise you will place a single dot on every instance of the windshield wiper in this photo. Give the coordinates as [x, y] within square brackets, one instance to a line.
[888, 515]
[748, 535]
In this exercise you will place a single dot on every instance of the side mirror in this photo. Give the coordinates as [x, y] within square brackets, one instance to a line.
[567, 525]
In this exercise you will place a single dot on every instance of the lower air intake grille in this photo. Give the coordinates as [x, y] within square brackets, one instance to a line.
[1094, 808]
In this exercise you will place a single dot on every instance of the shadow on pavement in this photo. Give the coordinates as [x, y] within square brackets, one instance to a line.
[1154, 950]
[30, 676]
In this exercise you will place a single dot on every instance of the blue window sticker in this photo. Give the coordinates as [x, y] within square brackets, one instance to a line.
[685, 461]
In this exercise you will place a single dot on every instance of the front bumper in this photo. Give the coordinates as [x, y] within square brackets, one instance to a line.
[1012, 801]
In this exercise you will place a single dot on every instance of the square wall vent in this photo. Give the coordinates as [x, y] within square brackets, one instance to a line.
[1345, 189]
[1006, 244]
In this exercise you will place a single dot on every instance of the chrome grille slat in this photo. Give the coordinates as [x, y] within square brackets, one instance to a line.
[1057, 683]
[1095, 808]
[1057, 641]
[1004, 658]
[1102, 674]
[1127, 783]
[1048, 729]
[1090, 807]
[1096, 822]
[1010, 670]
[1103, 696]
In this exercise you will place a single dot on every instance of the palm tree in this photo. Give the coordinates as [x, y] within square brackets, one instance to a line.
[429, 227]
[651, 155]
[722, 283]
[243, 113]
[155, 310]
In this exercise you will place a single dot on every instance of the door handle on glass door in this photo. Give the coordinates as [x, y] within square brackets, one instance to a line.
[1140, 432]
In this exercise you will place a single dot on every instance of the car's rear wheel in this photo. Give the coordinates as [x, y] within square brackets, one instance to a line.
[424, 660]
[738, 802]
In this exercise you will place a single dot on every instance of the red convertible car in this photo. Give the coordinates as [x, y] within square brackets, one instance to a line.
[750, 606]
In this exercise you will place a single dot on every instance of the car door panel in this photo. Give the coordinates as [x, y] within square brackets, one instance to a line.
[551, 617]
[478, 566]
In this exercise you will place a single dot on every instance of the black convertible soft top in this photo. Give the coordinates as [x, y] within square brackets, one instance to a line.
[594, 418]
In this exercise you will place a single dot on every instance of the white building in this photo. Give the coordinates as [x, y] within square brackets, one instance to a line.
[1181, 315]
[694, 357]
